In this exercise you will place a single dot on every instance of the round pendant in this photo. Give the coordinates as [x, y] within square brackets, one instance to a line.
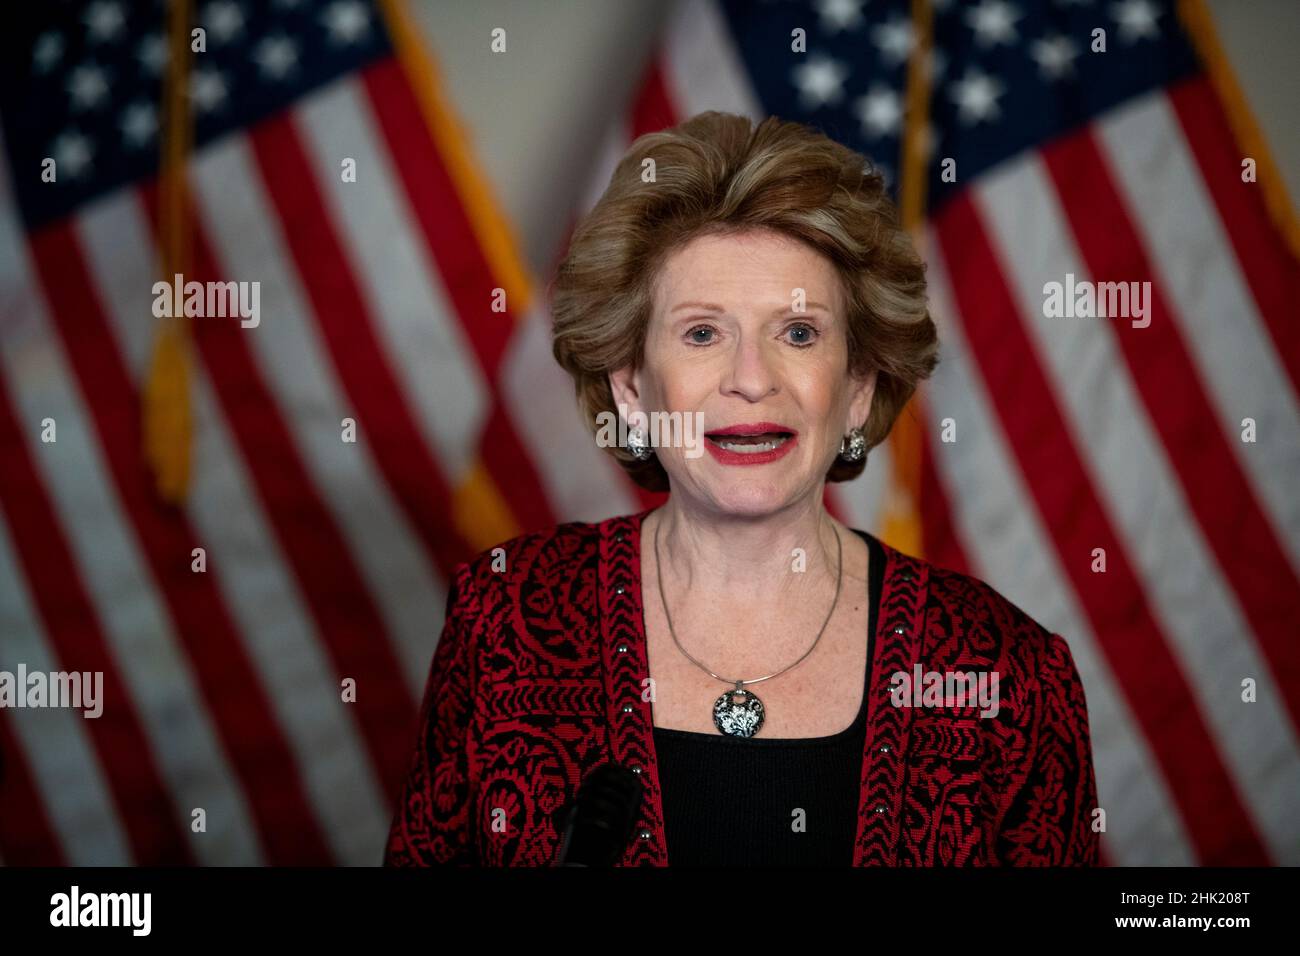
[738, 718]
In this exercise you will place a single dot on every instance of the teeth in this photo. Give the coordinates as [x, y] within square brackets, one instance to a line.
[746, 448]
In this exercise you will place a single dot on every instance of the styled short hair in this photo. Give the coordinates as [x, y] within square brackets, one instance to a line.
[718, 173]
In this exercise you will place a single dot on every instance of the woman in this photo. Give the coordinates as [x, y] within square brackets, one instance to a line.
[787, 689]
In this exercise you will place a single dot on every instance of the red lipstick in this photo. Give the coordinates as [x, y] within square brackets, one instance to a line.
[727, 456]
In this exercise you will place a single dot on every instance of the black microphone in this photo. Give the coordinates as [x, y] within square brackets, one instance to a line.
[600, 818]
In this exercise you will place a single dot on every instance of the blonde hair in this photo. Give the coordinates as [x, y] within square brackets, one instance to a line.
[718, 173]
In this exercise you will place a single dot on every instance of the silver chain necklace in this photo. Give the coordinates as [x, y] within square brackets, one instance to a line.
[744, 718]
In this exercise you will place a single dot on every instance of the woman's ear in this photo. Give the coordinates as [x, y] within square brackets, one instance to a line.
[625, 383]
[864, 391]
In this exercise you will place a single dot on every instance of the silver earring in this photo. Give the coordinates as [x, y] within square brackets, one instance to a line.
[853, 446]
[638, 444]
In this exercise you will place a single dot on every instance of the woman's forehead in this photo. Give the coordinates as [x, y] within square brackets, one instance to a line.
[750, 267]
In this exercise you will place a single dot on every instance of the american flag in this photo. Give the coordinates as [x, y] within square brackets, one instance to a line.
[326, 560]
[1050, 444]
[1041, 440]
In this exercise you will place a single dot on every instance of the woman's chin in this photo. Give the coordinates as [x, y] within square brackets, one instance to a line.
[751, 497]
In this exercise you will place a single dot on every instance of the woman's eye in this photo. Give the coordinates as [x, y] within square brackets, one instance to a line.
[693, 336]
[805, 335]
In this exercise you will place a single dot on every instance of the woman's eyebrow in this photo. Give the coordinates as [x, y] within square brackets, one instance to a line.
[697, 305]
[710, 307]
[806, 307]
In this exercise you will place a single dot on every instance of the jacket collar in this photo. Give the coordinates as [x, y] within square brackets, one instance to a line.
[897, 647]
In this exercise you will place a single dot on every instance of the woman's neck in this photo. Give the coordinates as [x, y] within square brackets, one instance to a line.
[744, 556]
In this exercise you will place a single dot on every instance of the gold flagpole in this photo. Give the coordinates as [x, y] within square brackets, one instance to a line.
[901, 527]
[167, 413]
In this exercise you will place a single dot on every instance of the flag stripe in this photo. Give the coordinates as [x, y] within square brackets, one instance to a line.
[940, 537]
[456, 256]
[156, 672]
[294, 364]
[274, 626]
[347, 330]
[1152, 677]
[1006, 542]
[1264, 259]
[1176, 222]
[52, 750]
[1169, 386]
[652, 108]
[414, 322]
[1126, 465]
[346, 617]
[27, 836]
[229, 682]
[703, 69]
[143, 803]
[617, 138]
[330, 754]
[582, 480]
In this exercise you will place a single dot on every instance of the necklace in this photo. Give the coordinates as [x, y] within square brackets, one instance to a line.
[744, 717]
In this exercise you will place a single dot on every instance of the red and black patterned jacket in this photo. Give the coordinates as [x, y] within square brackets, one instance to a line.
[537, 661]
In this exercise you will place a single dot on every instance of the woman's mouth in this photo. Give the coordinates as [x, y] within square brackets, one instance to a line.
[754, 444]
[751, 444]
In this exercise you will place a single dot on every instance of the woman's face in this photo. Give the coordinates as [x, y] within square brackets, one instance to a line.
[749, 330]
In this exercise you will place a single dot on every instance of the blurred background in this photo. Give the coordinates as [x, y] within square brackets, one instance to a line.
[248, 526]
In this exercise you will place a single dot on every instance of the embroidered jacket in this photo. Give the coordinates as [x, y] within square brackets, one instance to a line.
[537, 680]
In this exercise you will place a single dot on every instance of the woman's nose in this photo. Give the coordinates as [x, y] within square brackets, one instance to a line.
[750, 374]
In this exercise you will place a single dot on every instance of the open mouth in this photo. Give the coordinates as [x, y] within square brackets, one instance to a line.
[751, 444]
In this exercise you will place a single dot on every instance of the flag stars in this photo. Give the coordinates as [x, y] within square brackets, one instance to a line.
[894, 39]
[87, 86]
[976, 95]
[224, 20]
[346, 21]
[47, 52]
[993, 22]
[72, 154]
[208, 90]
[820, 81]
[153, 54]
[837, 15]
[139, 124]
[1054, 56]
[937, 64]
[880, 112]
[276, 57]
[1136, 19]
[104, 21]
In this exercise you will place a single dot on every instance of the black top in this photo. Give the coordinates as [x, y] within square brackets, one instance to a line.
[731, 801]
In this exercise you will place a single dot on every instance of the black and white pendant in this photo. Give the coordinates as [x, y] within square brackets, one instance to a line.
[738, 718]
